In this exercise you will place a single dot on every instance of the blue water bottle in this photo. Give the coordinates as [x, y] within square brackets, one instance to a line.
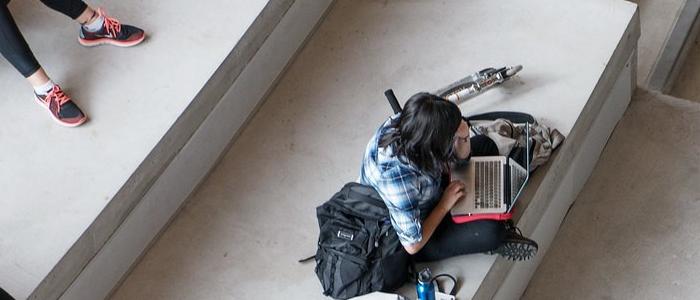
[424, 287]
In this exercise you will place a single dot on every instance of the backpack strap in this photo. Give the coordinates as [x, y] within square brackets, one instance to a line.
[303, 260]
[352, 187]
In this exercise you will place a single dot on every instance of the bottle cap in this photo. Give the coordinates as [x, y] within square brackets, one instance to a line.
[424, 276]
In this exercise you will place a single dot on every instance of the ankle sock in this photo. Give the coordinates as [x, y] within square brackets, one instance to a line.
[95, 25]
[44, 88]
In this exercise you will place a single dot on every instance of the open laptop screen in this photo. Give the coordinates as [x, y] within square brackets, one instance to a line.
[521, 188]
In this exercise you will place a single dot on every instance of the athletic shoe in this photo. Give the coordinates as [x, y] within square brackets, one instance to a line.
[113, 33]
[515, 246]
[61, 107]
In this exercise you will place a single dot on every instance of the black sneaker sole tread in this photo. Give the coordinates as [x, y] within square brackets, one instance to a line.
[517, 251]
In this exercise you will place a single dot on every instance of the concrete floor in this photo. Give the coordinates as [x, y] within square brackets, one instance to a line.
[632, 232]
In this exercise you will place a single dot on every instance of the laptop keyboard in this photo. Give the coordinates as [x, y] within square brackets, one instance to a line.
[487, 184]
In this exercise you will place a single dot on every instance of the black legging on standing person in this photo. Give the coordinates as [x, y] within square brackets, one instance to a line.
[12, 44]
[452, 239]
[5, 296]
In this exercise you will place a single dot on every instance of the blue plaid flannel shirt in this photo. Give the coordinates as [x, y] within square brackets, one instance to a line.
[407, 192]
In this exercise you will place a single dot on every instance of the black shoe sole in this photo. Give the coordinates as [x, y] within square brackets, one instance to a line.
[517, 250]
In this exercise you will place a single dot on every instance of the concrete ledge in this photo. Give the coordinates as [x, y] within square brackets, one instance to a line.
[517, 276]
[199, 154]
[308, 138]
[680, 40]
[168, 148]
[557, 185]
[183, 96]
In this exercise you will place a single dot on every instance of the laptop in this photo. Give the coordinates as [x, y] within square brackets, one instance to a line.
[496, 181]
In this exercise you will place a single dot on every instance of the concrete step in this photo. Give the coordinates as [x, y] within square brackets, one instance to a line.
[657, 20]
[243, 231]
[686, 86]
[80, 205]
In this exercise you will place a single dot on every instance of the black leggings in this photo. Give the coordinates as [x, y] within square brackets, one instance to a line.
[451, 239]
[5, 296]
[12, 44]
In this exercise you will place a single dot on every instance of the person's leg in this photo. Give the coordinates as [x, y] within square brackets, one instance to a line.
[4, 295]
[13, 46]
[451, 239]
[74, 9]
[496, 237]
[15, 49]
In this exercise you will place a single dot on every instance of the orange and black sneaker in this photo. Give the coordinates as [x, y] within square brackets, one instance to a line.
[61, 107]
[113, 33]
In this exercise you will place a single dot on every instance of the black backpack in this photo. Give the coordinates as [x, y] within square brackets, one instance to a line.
[358, 249]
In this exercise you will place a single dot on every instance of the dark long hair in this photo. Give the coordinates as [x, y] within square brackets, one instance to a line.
[424, 132]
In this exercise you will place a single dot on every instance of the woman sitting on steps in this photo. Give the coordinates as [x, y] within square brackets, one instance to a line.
[407, 161]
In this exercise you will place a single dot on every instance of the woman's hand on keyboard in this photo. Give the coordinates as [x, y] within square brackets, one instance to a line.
[454, 192]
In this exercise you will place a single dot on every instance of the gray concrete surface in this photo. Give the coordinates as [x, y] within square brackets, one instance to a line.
[240, 235]
[657, 21]
[686, 85]
[678, 43]
[631, 233]
[56, 181]
[583, 163]
[203, 150]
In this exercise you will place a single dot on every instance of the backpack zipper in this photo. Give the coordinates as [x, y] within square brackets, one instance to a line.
[376, 239]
